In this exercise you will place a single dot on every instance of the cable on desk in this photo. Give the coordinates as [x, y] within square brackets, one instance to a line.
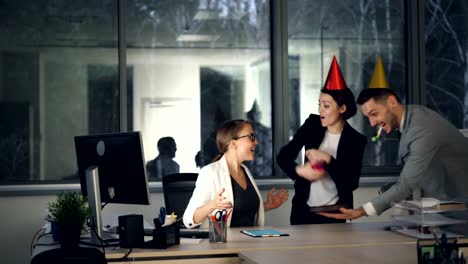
[46, 244]
[126, 255]
[35, 239]
[44, 234]
[103, 242]
[98, 245]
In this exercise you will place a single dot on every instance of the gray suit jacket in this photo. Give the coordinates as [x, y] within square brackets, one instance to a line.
[434, 155]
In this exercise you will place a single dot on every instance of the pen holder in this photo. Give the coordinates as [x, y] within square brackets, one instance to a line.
[217, 231]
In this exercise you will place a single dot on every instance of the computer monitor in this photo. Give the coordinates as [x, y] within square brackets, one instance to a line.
[114, 163]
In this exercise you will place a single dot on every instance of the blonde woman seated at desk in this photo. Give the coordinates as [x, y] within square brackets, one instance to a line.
[227, 183]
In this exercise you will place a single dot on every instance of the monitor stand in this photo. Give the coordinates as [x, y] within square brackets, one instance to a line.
[94, 200]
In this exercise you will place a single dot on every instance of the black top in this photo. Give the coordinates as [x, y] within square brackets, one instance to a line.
[246, 204]
[345, 170]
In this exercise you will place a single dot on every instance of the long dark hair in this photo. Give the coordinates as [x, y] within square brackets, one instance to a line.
[228, 132]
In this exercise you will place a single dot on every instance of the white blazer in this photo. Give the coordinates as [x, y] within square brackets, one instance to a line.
[210, 180]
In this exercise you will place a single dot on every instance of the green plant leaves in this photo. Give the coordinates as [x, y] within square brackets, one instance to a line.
[69, 208]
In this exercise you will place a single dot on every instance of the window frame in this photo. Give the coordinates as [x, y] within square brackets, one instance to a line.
[371, 176]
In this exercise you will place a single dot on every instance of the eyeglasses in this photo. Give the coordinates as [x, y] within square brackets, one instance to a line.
[250, 136]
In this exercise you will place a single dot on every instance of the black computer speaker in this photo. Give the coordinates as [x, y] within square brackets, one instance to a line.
[131, 232]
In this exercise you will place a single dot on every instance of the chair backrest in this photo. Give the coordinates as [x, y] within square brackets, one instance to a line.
[178, 189]
[79, 255]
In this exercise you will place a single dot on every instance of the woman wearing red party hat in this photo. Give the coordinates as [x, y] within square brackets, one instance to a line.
[334, 152]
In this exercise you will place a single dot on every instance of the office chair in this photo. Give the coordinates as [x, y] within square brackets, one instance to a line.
[178, 189]
[78, 255]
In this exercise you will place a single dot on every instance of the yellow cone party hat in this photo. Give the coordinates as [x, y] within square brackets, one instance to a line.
[379, 79]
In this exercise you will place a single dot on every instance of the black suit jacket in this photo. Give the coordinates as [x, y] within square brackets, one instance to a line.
[345, 170]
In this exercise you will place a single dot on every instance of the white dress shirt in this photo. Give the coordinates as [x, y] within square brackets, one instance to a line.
[323, 191]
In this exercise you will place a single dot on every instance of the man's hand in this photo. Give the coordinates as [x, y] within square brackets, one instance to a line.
[349, 214]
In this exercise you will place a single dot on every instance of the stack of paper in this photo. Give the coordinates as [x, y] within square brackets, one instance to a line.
[431, 205]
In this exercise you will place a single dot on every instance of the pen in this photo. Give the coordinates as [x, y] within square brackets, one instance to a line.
[226, 217]
[217, 226]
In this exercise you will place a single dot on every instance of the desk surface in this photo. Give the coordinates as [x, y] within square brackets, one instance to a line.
[380, 253]
[301, 237]
[330, 243]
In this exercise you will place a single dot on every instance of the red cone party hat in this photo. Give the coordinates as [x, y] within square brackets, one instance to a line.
[335, 80]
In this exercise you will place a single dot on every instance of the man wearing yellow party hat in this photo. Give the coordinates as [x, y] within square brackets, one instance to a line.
[379, 81]
[333, 160]
[434, 153]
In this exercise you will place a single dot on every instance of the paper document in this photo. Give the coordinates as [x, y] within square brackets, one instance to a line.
[431, 205]
[425, 202]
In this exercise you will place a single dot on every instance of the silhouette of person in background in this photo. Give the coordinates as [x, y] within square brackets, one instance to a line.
[262, 164]
[163, 164]
[209, 149]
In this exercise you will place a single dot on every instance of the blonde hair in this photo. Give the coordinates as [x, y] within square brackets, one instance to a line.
[229, 131]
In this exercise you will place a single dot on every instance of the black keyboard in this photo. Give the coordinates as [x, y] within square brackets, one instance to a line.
[186, 233]
[193, 233]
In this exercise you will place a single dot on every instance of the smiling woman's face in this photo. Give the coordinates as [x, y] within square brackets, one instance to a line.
[330, 112]
[245, 145]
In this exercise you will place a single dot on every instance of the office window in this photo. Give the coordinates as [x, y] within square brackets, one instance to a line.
[188, 66]
[446, 34]
[195, 65]
[356, 32]
[58, 79]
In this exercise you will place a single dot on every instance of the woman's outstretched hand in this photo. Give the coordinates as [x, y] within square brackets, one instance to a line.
[276, 199]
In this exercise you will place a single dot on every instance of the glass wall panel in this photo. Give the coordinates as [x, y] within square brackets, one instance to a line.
[58, 79]
[356, 32]
[195, 65]
[446, 42]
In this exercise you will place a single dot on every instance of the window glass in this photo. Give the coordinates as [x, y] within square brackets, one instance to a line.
[356, 32]
[195, 65]
[446, 40]
[58, 79]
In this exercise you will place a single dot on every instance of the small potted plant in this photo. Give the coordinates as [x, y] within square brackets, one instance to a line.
[67, 216]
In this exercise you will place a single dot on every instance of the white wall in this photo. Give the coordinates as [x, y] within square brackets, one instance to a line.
[22, 217]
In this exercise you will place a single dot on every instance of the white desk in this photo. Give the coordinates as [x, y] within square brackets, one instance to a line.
[317, 237]
[381, 253]
[345, 240]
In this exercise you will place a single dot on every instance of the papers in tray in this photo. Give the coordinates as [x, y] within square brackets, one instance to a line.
[428, 219]
[425, 202]
[264, 233]
[431, 205]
